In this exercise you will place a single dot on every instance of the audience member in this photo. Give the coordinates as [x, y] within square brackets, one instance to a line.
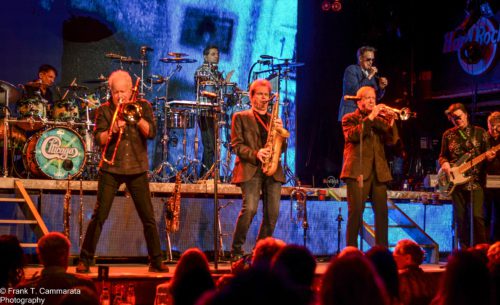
[415, 288]
[350, 250]
[494, 267]
[262, 255]
[352, 280]
[53, 252]
[11, 261]
[384, 264]
[86, 296]
[191, 279]
[465, 282]
[297, 265]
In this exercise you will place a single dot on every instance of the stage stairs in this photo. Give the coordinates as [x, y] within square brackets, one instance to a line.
[29, 210]
[404, 222]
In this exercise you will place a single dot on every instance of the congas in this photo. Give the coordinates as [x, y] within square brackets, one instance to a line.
[65, 110]
[229, 89]
[180, 118]
[57, 153]
[208, 89]
[32, 107]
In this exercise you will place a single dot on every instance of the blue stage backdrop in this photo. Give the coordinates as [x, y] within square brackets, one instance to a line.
[75, 35]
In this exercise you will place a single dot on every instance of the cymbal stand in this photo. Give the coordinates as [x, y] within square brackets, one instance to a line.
[5, 134]
[158, 172]
[289, 174]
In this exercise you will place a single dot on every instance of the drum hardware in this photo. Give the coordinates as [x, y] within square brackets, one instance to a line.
[100, 80]
[125, 59]
[80, 215]
[177, 119]
[9, 93]
[67, 211]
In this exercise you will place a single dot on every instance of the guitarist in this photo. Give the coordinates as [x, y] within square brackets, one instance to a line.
[458, 141]
[492, 203]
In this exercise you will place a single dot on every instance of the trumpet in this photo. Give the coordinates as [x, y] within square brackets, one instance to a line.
[129, 112]
[403, 114]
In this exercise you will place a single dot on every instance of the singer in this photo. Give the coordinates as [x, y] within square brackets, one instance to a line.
[364, 73]
[365, 169]
[458, 141]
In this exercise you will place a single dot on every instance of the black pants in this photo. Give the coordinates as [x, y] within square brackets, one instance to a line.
[461, 206]
[138, 187]
[208, 140]
[356, 198]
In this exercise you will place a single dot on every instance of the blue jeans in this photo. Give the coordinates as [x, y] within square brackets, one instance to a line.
[271, 195]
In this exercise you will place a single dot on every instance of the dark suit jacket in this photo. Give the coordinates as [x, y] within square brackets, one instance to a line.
[354, 78]
[376, 133]
[245, 141]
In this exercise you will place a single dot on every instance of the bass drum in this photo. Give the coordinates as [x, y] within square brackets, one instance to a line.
[56, 153]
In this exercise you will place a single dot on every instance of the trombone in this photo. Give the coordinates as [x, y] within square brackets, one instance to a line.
[131, 113]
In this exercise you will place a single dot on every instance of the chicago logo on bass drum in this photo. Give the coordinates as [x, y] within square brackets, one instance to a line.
[51, 149]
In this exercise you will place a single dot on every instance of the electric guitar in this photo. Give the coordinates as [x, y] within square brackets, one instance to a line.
[457, 176]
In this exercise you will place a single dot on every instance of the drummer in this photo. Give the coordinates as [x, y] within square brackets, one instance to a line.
[41, 87]
[208, 72]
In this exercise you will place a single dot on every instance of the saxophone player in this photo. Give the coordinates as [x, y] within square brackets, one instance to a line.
[249, 133]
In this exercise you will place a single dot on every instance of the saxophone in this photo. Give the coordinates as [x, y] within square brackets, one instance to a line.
[275, 137]
[173, 205]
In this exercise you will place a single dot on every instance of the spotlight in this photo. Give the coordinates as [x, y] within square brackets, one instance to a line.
[325, 5]
[336, 6]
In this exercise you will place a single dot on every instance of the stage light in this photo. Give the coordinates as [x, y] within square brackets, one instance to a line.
[336, 6]
[325, 5]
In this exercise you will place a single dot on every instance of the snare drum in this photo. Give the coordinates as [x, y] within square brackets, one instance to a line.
[180, 118]
[65, 110]
[32, 107]
[57, 153]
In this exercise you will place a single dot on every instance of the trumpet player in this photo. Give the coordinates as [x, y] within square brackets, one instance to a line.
[249, 132]
[365, 169]
[129, 165]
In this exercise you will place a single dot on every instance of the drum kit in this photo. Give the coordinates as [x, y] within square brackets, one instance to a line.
[52, 141]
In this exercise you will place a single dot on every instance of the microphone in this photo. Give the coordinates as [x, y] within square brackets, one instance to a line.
[352, 98]
[146, 48]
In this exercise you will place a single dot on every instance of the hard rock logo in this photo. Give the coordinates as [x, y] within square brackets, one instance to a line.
[51, 149]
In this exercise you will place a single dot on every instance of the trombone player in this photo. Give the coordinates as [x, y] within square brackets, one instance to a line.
[127, 162]
[365, 169]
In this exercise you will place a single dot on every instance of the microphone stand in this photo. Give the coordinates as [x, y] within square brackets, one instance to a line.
[339, 229]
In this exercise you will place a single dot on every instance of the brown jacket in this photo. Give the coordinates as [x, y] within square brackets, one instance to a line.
[376, 133]
[245, 141]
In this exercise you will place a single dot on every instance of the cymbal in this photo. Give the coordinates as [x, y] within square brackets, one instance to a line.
[14, 93]
[155, 79]
[288, 64]
[126, 59]
[75, 88]
[176, 54]
[96, 80]
[176, 60]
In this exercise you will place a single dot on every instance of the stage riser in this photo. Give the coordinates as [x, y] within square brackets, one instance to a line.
[122, 234]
